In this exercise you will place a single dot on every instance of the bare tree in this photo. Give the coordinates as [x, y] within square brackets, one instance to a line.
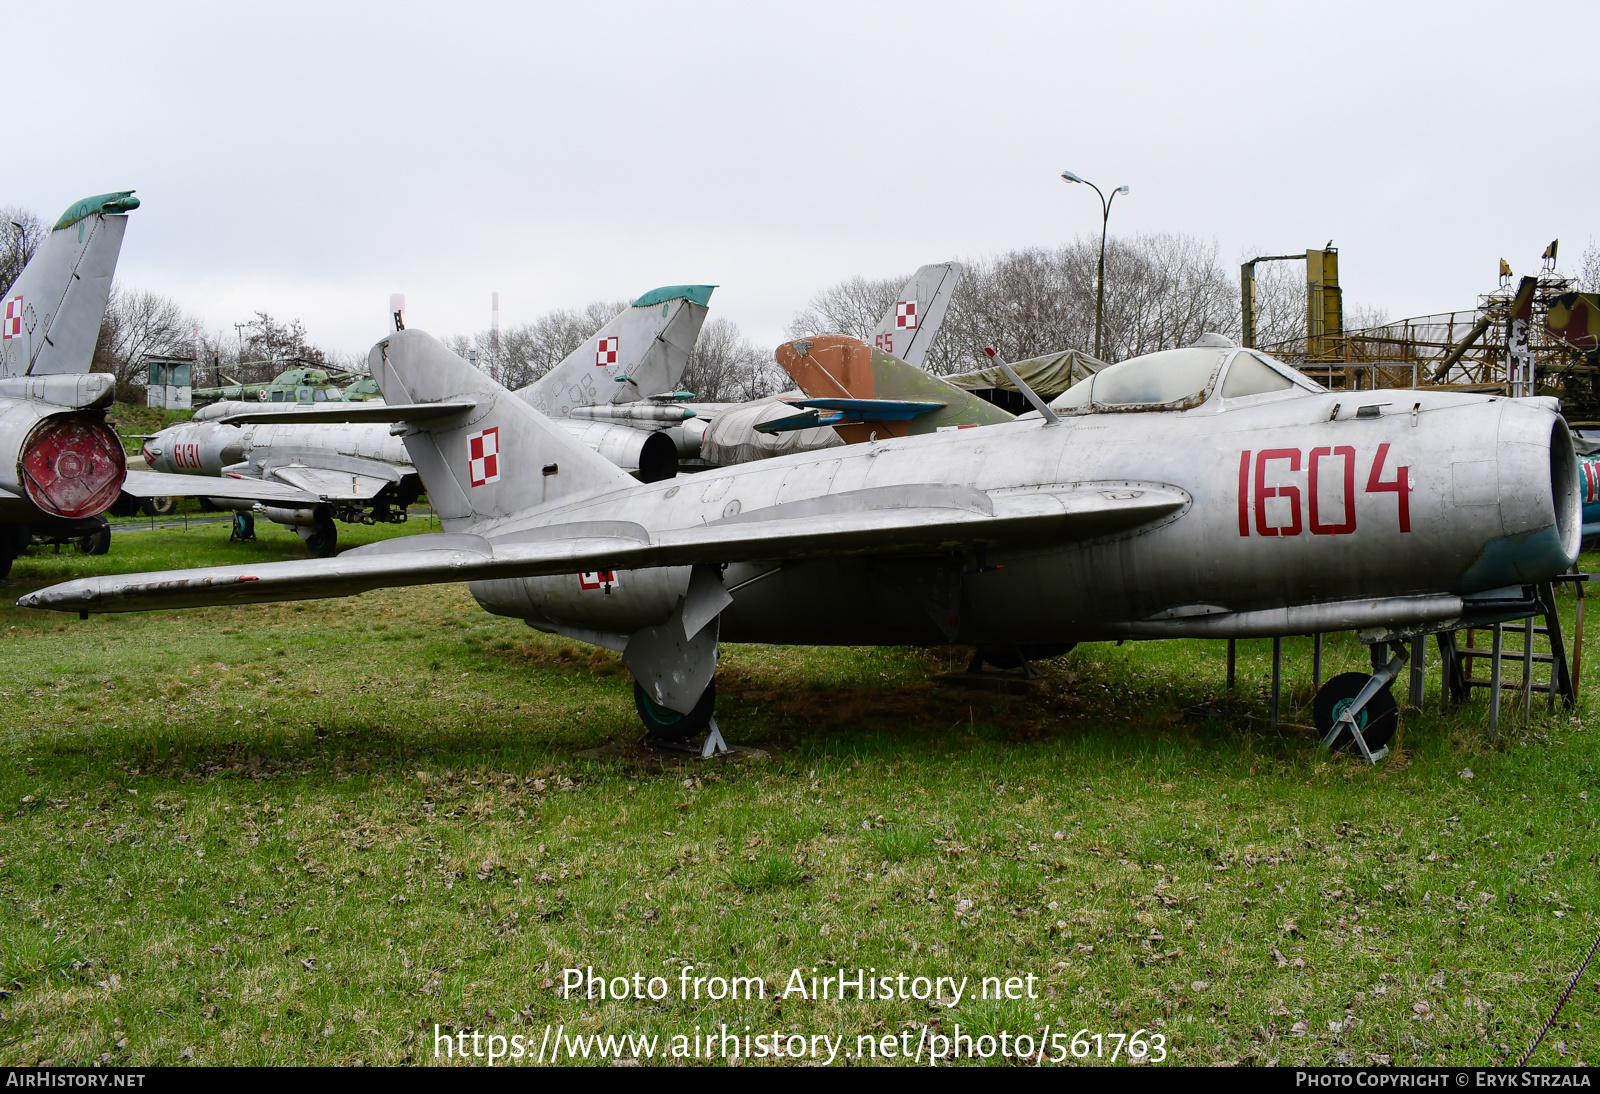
[528, 351]
[138, 323]
[1162, 291]
[20, 235]
[851, 307]
[1589, 279]
[726, 367]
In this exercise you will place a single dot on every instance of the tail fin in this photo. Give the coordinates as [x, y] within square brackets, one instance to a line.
[836, 366]
[499, 459]
[53, 309]
[640, 353]
[907, 329]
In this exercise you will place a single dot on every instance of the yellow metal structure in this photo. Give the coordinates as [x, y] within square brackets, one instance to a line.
[1324, 306]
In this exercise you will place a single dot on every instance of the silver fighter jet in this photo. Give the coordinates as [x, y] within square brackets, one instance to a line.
[61, 465]
[1202, 492]
[350, 466]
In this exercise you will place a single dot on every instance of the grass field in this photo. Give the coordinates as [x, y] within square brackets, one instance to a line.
[312, 832]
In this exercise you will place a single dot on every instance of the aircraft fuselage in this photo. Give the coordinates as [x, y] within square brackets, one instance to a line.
[1299, 515]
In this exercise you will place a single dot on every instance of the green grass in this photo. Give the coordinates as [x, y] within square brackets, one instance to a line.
[309, 832]
[129, 419]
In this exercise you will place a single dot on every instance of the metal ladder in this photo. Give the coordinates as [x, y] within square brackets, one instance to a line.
[1458, 658]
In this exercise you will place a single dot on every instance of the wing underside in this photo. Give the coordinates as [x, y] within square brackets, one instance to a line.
[939, 518]
[330, 484]
[157, 484]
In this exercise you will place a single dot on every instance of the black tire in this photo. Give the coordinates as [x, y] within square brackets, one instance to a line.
[160, 507]
[97, 542]
[244, 527]
[323, 540]
[126, 505]
[8, 548]
[1377, 721]
[661, 724]
[1005, 657]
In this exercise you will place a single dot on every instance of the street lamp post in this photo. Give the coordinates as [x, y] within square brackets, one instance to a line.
[1105, 218]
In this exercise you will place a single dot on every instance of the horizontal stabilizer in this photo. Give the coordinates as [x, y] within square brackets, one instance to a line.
[872, 410]
[158, 484]
[848, 410]
[920, 519]
[338, 413]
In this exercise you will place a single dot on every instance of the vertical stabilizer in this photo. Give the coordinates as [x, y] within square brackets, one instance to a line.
[836, 366]
[52, 311]
[498, 459]
[908, 328]
[640, 353]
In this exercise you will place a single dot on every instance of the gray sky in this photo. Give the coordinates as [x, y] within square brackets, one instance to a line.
[311, 159]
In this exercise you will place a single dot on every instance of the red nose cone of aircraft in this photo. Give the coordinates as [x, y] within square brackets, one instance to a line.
[73, 466]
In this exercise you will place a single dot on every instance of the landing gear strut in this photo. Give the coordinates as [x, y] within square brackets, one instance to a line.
[1355, 707]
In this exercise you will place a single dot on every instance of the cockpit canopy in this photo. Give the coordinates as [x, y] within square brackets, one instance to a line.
[1179, 379]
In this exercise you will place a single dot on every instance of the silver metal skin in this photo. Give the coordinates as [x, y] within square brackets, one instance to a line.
[906, 329]
[53, 309]
[1194, 520]
[345, 456]
[51, 319]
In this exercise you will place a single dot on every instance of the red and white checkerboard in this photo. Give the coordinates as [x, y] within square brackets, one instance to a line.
[13, 326]
[483, 457]
[905, 315]
[605, 352]
[596, 579]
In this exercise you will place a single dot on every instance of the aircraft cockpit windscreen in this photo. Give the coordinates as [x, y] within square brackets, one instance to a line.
[1169, 380]
[1178, 379]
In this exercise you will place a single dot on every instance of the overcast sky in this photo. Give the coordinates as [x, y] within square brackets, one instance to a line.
[309, 160]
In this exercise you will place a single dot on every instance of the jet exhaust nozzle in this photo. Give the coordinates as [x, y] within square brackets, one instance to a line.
[72, 466]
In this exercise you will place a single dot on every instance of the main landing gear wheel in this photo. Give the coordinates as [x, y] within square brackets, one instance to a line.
[664, 724]
[244, 527]
[321, 540]
[14, 539]
[97, 542]
[1377, 721]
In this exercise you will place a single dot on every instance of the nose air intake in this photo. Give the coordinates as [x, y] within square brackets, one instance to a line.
[1565, 492]
[72, 466]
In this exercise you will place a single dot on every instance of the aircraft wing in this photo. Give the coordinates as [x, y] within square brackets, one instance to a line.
[340, 413]
[159, 484]
[330, 484]
[873, 521]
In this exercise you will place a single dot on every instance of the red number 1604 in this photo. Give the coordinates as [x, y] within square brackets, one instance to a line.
[1277, 461]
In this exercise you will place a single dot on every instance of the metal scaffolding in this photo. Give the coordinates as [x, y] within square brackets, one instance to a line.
[1464, 351]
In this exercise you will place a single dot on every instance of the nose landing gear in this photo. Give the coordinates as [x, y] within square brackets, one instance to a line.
[1355, 707]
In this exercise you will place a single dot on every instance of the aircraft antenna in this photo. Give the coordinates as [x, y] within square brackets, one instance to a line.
[1027, 392]
[494, 336]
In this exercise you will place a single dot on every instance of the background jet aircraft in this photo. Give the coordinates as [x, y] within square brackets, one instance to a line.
[1201, 492]
[729, 433]
[870, 393]
[354, 469]
[61, 465]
